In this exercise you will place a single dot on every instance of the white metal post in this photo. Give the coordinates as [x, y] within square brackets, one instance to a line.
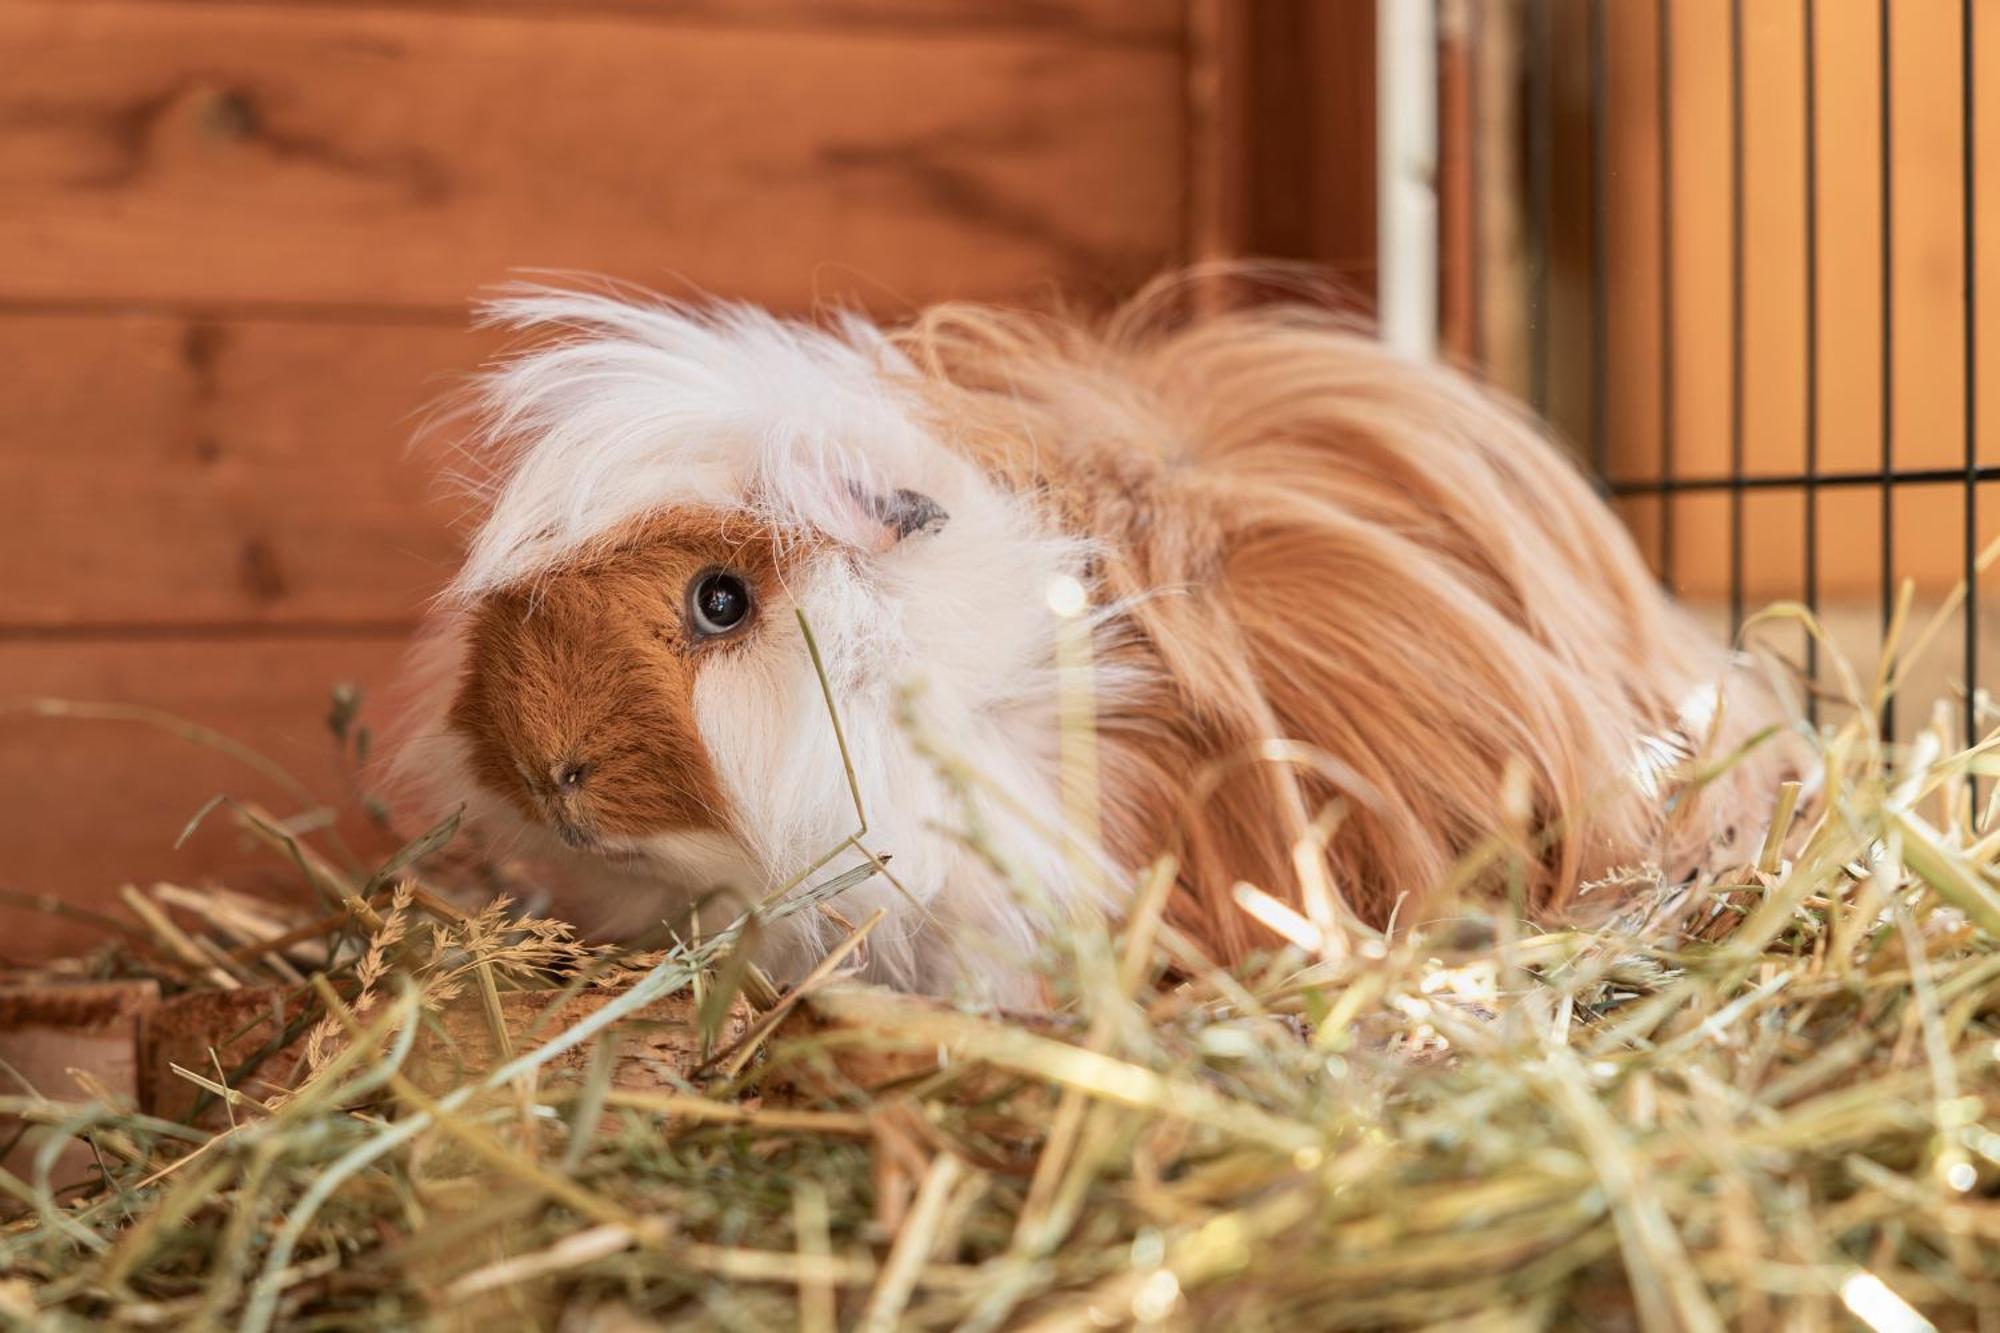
[1406, 243]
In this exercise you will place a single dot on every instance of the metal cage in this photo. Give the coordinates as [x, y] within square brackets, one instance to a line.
[1559, 129]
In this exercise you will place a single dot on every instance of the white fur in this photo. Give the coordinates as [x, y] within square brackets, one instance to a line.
[649, 405]
[640, 408]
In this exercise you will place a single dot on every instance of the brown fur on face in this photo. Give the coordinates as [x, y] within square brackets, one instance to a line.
[577, 691]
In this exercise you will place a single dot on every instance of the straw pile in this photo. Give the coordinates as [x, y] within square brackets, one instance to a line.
[1771, 1098]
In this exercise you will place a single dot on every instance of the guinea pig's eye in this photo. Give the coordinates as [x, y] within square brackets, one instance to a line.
[718, 603]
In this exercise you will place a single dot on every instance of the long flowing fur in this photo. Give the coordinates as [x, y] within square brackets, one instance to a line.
[1288, 534]
[1320, 541]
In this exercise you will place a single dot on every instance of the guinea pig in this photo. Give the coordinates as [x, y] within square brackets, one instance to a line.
[1345, 620]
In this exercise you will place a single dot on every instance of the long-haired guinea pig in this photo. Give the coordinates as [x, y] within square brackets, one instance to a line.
[1279, 531]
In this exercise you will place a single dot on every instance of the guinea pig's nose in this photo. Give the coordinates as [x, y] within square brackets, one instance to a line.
[571, 776]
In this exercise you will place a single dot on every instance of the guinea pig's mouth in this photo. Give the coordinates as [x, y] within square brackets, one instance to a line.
[622, 856]
[579, 838]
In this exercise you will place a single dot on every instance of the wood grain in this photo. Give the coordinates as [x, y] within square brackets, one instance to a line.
[88, 805]
[1458, 182]
[1926, 276]
[1309, 116]
[1281, 116]
[238, 239]
[176, 152]
[1152, 22]
[185, 471]
[1219, 128]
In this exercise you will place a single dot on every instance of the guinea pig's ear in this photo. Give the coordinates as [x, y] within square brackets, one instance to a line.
[854, 499]
[899, 513]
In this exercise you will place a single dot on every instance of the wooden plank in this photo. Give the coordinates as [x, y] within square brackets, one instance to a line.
[86, 806]
[1218, 76]
[177, 471]
[1306, 91]
[175, 152]
[1158, 22]
[1282, 127]
[1569, 310]
[1500, 223]
[1458, 183]
[1701, 271]
[1986, 243]
[1633, 252]
[1928, 239]
[1850, 246]
[1774, 221]
[1338, 58]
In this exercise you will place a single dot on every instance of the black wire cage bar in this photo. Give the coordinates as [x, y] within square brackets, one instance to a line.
[1565, 169]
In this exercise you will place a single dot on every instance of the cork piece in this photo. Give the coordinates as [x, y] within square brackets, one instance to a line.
[258, 1038]
[70, 1041]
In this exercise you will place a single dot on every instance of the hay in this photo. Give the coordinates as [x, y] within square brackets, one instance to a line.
[1765, 1099]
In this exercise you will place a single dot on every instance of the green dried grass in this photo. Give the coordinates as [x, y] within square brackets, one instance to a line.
[1768, 1099]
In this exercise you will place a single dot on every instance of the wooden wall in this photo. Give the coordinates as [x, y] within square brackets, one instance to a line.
[238, 241]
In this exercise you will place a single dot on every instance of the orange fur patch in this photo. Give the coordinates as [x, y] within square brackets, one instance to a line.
[1325, 543]
[591, 669]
